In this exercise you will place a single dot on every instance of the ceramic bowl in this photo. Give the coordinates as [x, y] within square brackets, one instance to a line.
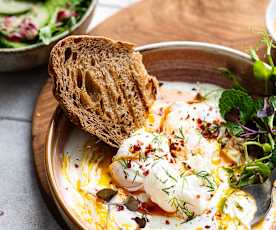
[169, 61]
[37, 54]
[270, 19]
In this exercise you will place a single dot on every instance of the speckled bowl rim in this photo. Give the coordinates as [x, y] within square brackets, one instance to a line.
[65, 210]
[91, 7]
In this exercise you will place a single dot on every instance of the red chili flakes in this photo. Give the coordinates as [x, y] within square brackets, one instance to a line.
[167, 222]
[208, 130]
[119, 207]
[199, 121]
[208, 211]
[136, 148]
[173, 146]
[176, 147]
[129, 164]
[148, 149]
[146, 173]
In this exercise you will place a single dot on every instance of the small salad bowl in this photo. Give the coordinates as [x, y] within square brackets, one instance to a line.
[270, 19]
[33, 55]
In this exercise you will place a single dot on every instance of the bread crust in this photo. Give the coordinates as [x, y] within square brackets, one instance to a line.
[102, 86]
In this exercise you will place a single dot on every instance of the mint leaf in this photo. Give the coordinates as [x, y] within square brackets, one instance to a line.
[234, 129]
[233, 99]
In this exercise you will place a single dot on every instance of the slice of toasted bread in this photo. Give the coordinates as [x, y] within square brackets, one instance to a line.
[102, 85]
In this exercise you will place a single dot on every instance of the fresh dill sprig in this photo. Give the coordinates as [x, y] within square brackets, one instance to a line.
[136, 174]
[167, 189]
[208, 180]
[158, 178]
[181, 207]
[181, 137]
[169, 175]
[124, 163]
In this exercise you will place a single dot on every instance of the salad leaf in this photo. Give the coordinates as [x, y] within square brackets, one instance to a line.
[233, 100]
[45, 34]
[252, 120]
[272, 101]
[231, 76]
[267, 109]
[251, 173]
[273, 157]
[234, 129]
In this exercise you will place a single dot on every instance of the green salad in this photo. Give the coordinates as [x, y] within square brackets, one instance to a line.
[27, 22]
[252, 119]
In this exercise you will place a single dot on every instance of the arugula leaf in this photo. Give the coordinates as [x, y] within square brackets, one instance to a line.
[233, 99]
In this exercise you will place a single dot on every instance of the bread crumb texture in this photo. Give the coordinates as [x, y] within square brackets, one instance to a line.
[102, 85]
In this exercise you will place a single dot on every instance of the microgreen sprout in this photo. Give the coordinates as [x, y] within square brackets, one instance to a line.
[253, 120]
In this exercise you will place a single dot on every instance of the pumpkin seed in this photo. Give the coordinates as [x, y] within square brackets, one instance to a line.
[106, 194]
[132, 203]
[141, 221]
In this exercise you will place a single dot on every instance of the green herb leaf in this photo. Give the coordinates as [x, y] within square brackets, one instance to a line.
[45, 34]
[235, 99]
[234, 129]
[261, 70]
[208, 180]
[253, 54]
[273, 157]
[272, 101]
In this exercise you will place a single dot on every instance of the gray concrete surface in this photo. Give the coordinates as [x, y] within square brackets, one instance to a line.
[21, 204]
